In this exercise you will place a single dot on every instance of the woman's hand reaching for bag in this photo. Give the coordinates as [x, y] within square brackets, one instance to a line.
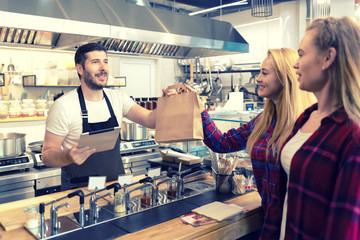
[184, 88]
[173, 91]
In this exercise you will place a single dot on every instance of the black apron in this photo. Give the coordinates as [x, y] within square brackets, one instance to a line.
[106, 163]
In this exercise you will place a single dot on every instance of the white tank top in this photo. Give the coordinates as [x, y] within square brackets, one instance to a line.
[287, 154]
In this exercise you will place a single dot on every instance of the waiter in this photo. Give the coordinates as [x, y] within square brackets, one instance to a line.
[88, 108]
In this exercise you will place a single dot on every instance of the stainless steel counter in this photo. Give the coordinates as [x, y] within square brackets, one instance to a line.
[21, 184]
[32, 174]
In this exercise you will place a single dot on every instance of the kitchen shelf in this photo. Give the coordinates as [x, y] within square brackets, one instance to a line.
[230, 71]
[55, 86]
[23, 119]
[66, 86]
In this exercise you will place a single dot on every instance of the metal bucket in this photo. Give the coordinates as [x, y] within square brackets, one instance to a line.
[12, 144]
[131, 131]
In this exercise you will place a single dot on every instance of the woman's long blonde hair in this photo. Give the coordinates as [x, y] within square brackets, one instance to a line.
[343, 34]
[291, 102]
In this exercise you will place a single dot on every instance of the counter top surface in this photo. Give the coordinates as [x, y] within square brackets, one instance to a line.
[169, 228]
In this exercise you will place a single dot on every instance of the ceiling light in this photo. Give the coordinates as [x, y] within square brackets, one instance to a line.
[261, 8]
[357, 10]
[320, 8]
[243, 2]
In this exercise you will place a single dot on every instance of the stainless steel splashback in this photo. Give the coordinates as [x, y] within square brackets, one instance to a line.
[119, 26]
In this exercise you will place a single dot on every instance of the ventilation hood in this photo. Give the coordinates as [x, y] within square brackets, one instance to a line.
[119, 26]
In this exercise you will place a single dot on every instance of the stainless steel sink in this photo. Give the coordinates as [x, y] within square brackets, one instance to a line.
[65, 225]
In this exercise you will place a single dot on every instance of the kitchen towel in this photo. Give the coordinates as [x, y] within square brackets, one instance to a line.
[178, 117]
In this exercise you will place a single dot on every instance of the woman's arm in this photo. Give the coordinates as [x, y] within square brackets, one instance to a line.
[231, 141]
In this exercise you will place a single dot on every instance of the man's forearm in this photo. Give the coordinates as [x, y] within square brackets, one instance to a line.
[55, 157]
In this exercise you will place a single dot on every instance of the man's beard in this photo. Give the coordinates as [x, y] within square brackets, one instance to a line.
[90, 82]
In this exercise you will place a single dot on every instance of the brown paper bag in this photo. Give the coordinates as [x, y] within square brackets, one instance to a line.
[178, 117]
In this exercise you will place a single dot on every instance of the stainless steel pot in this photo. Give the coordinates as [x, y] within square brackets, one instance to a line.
[36, 146]
[131, 131]
[12, 144]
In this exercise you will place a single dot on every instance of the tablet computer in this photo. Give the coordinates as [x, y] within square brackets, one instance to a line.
[101, 140]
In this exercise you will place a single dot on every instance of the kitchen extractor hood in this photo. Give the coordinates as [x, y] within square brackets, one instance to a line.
[119, 26]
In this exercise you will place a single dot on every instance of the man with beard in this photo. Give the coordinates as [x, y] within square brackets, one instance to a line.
[90, 107]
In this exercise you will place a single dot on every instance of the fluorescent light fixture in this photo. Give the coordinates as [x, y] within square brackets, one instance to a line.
[243, 2]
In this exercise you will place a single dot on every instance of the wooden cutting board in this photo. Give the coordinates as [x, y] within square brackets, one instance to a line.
[218, 211]
[187, 161]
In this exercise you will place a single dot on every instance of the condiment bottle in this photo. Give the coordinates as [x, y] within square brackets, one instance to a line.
[154, 102]
[137, 100]
[149, 105]
[143, 102]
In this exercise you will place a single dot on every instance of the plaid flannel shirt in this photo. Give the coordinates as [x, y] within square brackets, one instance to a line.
[266, 172]
[324, 184]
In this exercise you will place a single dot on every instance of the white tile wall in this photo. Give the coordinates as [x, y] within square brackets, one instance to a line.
[34, 130]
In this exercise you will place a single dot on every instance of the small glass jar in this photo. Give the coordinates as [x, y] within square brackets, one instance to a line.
[14, 108]
[24, 112]
[4, 109]
[239, 184]
[40, 112]
[146, 197]
[27, 108]
[41, 103]
[32, 216]
[13, 114]
[171, 189]
[119, 202]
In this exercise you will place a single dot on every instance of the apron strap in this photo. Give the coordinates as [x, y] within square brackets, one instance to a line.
[84, 112]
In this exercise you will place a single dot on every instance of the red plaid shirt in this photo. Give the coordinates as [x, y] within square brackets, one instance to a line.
[266, 172]
[324, 185]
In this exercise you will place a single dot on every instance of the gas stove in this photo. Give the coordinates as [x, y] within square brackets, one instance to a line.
[21, 162]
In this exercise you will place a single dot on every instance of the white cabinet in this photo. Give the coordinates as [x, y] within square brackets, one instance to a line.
[140, 76]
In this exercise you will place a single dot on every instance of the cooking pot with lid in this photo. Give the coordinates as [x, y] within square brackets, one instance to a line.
[131, 131]
[36, 146]
[12, 144]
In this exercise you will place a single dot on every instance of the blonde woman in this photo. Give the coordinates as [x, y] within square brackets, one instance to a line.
[320, 162]
[266, 133]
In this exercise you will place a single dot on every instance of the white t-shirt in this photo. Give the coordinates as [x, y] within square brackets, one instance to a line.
[64, 117]
[287, 155]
